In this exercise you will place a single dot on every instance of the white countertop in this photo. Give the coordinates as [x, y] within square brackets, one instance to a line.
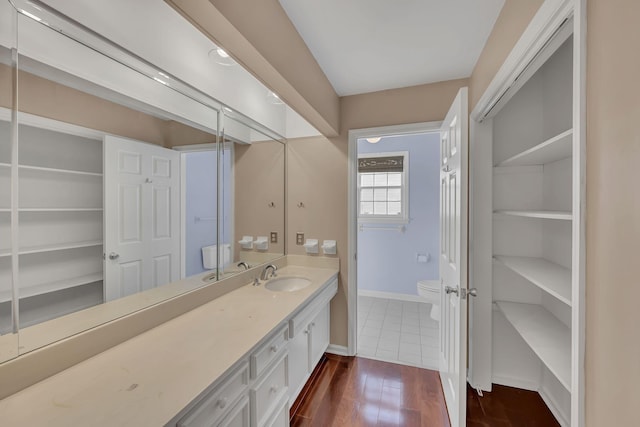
[149, 379]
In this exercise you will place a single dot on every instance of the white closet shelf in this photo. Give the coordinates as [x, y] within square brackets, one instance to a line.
[548, 276]
[43, 288]
[557, 148]
[548, 337]
[55, 170]
[59, 247]
[566, 216]
[60, 209]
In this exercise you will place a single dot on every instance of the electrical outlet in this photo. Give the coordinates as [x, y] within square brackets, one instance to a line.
[274, 237]
[299, 238]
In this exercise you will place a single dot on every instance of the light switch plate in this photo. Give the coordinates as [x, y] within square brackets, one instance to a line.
[299, 238]
[274, 237]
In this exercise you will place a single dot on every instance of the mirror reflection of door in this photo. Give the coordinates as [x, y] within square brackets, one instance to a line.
[142, 217]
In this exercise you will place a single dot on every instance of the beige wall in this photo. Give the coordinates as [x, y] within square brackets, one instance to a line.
[46, 98]
[511, 23]
[613, 213]
[261, 163]
[317, 170]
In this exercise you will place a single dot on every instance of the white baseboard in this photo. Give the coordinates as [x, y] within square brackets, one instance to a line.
[554, 408]
[340, 350]
[390, 295]
[515, 382]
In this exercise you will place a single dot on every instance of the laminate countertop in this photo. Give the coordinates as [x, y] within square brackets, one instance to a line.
[149, 379]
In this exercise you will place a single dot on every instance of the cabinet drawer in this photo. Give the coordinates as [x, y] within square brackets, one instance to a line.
[208, 411]
[269, 392]
[268, 352]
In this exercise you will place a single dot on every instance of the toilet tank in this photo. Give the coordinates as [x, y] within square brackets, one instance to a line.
[210, 256]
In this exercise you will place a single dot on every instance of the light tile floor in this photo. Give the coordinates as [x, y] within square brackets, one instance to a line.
[397, 331]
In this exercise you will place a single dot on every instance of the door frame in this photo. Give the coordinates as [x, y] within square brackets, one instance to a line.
[186, 149]
[352, 213]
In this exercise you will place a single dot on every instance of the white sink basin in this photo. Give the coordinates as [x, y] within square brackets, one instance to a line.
[287, 284]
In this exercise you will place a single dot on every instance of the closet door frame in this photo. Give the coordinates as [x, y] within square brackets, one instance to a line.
[541, 29]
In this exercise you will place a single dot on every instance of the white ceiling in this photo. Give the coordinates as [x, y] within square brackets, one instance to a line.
[371, 45]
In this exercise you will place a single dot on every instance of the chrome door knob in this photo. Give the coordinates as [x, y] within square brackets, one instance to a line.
[451, 290]
[472, 292]
[114, 255]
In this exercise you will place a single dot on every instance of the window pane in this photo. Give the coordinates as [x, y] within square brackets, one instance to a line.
[395, 208]
[366, 208]
[380, 180]
[380, 208]
[366, 195]
[394, 194]
[395, 179]
[380, 195]
[366, 180]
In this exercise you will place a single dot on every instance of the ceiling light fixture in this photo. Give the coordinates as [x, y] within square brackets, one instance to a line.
[220, 56]
[373, 140]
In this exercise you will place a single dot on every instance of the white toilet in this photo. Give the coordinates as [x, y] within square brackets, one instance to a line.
[430, 291]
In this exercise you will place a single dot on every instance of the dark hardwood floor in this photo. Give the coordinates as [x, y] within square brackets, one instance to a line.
[353, 391]
[508, 407]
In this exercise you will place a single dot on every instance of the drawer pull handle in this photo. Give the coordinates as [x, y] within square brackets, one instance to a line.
[313, 324]
[274, 389]
[222, 403]
[274, 348]
[306, 331]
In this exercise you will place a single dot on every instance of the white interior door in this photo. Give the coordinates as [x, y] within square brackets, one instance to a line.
[453, 258]
[141, 216]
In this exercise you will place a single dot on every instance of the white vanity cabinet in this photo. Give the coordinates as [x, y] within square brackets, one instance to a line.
[254, 394]
[309, 338]
[259, 391]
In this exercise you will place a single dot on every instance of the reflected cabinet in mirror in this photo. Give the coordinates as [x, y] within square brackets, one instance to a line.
[120, 186]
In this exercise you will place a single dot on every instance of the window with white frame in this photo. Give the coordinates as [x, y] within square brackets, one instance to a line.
[383, 187]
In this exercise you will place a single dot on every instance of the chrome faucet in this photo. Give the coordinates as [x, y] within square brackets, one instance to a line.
[244, 264]
[265, 272]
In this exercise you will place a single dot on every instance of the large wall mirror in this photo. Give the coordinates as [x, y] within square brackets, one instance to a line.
[120, 186]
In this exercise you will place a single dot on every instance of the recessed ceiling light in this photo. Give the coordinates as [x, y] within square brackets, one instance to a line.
[373, 140]
[220, 56]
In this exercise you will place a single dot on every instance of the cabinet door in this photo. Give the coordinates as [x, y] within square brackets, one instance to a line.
[239, 416]
[298, 362]
[319, 331]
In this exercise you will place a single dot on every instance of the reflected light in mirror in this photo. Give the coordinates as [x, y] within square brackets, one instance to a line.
[220, 56]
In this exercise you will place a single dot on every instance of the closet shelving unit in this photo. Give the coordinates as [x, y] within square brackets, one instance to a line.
[532, 240]
[60, 211]
[547, 336]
